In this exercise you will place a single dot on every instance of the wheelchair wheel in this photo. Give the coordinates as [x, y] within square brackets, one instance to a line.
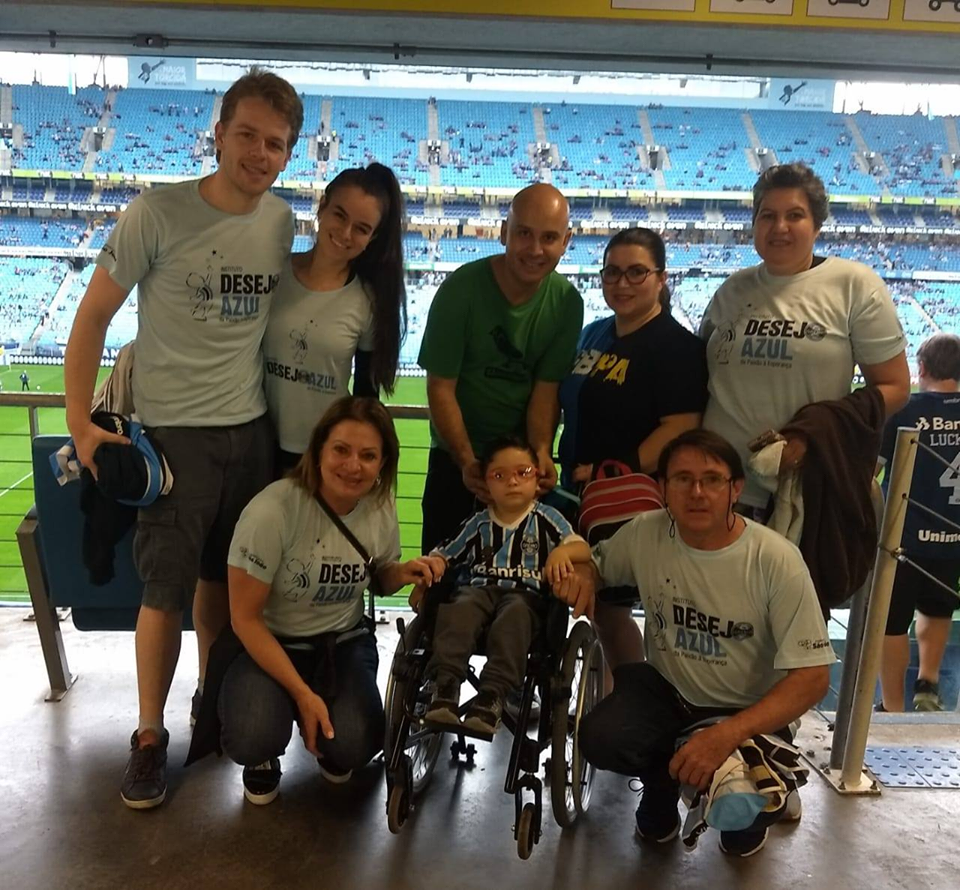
[398, 808]
[422, 747]
[526, 831]
[581, 672]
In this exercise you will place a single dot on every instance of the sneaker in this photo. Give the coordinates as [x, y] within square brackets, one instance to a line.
[333, 773]
[743, 843]
[657, 817]
[261, 783]
[485, 712]
[195, 703]
[512, 704]
[445, 703]
[926, 696]
[792, 808]
[145, 778]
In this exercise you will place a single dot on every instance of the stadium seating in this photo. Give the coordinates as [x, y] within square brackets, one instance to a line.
[53, 123]
[912, 147]
[488, 143]
[156, 132]
[820, 140]
[705, 147]
[37, 232]
[27, 287]
[390, 132]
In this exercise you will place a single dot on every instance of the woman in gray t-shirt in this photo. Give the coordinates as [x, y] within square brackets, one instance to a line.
[343, 301]
[296, 602]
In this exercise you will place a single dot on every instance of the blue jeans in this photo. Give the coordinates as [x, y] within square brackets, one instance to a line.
[257, 713]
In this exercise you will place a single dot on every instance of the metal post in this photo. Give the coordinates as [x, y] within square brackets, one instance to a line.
[34, 422]
[848, 680]
[852, 777]
[851, 652]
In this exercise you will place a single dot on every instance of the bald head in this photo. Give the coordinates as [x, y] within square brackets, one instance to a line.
[535, 234]
[541, 201]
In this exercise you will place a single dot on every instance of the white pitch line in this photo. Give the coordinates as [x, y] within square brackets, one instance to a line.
[15, 484]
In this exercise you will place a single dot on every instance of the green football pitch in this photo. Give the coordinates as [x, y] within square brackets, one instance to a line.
[16, 472]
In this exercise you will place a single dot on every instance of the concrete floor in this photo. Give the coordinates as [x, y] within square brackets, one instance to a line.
[63, 824]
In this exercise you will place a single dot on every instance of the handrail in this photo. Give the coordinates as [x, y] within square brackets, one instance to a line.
[58, 400]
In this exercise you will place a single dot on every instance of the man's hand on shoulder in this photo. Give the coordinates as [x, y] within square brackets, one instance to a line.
[474, 482]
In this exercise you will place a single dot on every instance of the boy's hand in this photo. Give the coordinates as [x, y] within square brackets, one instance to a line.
[423, 571]
[557, 567]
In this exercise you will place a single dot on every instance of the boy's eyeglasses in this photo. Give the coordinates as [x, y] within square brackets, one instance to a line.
[517, 472]
[633, 274]
[711, 482]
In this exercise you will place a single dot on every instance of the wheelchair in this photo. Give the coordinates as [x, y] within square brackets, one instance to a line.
[568, 673]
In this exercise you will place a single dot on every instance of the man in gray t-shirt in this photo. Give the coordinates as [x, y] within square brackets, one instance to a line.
[733, 627]
[205, 256]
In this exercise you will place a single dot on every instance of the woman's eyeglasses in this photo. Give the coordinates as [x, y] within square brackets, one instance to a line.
[633, 274]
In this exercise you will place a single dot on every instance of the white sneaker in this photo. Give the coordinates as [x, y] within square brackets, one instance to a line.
[792, 808]
[333, 775]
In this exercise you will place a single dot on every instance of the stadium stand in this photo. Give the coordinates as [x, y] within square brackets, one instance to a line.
[53, 124]
[27, 287]
[488, 143]
[34, 232]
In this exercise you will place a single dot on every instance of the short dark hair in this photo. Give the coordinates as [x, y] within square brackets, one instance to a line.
[650, 240]
[709, 443]
[364, 410]
[502, 443]
[793, 176]
[940, 355]
[258, 83]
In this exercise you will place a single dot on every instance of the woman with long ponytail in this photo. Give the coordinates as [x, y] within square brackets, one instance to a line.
[341, 304]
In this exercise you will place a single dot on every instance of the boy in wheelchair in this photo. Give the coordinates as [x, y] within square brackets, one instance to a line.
[503, 557]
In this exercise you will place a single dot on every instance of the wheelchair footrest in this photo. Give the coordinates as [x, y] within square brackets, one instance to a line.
[458, 729]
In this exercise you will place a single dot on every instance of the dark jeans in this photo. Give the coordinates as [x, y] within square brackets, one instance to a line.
[634, 730]
[257, 713]
[446, 501]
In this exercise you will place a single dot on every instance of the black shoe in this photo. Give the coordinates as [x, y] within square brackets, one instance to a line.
[195, 703]
[658, 820]
[512, 704]
[485, 712]
[261, 783]
[145, 778]
[926, 696]
[444, 705]
[743, 843]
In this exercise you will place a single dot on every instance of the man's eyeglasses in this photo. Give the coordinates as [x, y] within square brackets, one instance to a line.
[633, 274]
[711, 482]
[501, 475]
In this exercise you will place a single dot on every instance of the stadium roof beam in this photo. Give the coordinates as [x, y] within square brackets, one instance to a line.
[454, 39]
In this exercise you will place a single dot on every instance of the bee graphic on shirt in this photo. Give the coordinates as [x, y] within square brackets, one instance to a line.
[299, 340]
[203, 294]
[659, 624]
[298, 579]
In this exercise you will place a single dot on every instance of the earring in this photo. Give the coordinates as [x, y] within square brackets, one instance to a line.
[378, 480]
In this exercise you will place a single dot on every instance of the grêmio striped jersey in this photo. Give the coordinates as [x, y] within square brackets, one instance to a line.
[488, 553]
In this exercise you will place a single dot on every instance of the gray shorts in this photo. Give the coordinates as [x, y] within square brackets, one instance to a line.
[186, 534]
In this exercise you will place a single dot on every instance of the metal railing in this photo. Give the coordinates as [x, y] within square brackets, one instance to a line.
[39, 406]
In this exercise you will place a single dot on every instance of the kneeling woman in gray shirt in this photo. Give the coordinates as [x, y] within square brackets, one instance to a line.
[296, 602]
[342, 301]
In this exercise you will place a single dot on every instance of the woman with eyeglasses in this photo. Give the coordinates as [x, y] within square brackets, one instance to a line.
[640, 380]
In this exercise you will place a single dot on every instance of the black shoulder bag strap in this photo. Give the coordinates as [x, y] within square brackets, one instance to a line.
[368, 561]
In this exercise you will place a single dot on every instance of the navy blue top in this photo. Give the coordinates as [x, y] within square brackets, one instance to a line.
[621, 387]
[937, 416]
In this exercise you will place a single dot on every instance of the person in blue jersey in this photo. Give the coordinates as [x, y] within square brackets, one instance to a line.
[932, 546]
[639, 380]
[505, 557]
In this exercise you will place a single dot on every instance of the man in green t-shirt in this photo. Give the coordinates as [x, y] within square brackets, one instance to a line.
[501, 335]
